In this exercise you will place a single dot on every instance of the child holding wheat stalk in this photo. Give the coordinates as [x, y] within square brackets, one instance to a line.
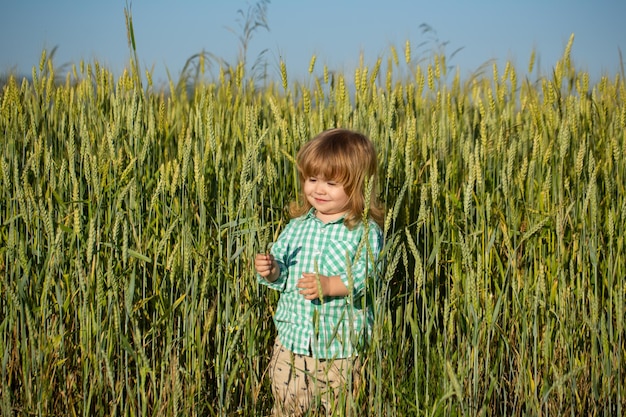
[320, 265]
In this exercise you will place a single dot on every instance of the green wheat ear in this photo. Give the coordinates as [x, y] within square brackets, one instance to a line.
[318, 282]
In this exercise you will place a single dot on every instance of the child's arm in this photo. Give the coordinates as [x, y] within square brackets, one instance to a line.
[311, 284]
[364, 263]
[314, 286]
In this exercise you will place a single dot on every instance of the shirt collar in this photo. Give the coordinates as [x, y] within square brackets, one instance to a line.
[311, 215]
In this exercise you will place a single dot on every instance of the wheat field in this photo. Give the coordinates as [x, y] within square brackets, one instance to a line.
[130, 216]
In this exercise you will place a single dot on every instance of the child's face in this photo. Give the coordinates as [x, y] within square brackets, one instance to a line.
[327, 197]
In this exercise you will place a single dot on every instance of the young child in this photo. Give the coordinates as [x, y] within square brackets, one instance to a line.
[320, 264]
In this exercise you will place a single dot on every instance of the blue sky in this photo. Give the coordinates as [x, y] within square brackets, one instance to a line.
[337, 32]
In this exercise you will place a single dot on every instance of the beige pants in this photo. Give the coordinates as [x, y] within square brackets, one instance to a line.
[301, 382]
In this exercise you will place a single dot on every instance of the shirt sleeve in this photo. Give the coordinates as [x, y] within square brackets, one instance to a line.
[365, 261]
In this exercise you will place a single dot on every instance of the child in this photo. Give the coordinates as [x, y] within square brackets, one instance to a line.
[320, 264]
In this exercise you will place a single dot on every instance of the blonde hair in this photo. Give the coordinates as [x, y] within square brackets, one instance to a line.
[348, 158]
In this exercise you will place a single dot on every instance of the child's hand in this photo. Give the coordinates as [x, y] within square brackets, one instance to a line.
[266, 266]
[312, 286]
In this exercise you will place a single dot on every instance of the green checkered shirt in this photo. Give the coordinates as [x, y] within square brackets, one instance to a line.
[337, 326]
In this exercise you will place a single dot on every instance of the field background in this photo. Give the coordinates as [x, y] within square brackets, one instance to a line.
[130, 216]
